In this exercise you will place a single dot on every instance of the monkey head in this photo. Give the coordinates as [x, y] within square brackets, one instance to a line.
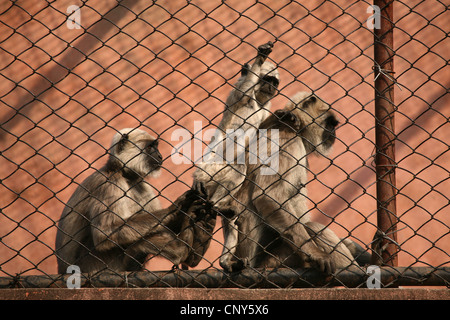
[268, 83]
[135, 152]
[269, 79]
[317, 122]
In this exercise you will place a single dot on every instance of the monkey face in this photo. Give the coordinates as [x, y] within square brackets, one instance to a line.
[136, 151]
[268, 84]
[154, 157]
[329, 132]
[318, 121]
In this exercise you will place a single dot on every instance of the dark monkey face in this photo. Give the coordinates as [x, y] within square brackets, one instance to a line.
[154, 157]
[329, 132]
[268, 83]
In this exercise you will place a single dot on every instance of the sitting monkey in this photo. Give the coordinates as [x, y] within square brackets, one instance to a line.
[113, 220]
[272, 214]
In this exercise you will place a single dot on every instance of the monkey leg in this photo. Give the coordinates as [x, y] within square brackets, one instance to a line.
[228, 260]
[164, 243]
[293, 232]
[173, 237]
[329, 242]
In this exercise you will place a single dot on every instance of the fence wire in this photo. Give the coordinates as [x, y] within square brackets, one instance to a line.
[74, 73]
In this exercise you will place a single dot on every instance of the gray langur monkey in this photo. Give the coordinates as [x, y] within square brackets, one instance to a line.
[274, 224]
[114, 220]
[247, 106]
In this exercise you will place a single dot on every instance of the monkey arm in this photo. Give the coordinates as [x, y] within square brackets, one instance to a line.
[161, 240]
[202, 227]
[167, 232]
[172, 215]
[199, 224]
[184, 207]
[117, 219]
[184, 229]
[244, 92]
[186, 238]
[110, 230]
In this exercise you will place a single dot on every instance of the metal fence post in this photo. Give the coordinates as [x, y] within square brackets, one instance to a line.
[386, 237]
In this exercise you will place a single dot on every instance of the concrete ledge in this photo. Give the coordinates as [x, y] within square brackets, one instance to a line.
[225, 294]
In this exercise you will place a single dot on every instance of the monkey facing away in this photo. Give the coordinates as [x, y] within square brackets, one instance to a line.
[113, 220]
[247, 106]
[273, 219]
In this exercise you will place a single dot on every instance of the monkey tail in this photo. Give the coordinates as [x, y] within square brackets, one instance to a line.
[361, 256]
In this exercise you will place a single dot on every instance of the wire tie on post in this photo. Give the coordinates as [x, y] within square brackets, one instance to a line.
[383, 235]
[385, 72]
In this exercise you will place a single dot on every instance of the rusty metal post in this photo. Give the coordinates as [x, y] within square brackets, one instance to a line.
[386, 237]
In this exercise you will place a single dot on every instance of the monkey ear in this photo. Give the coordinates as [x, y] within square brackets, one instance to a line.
[122, 142]
[244, 70]
[309, 102]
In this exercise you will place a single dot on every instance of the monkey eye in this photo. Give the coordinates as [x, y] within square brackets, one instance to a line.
[309, 101]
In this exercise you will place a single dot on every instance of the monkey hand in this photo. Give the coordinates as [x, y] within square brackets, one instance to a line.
[265, 49]
[323, 262]
[200, 209]
[202, 206]
[202, 223]
[200, 189]
[233, 264]
[203, 214]
[288, 118]
[197, 192]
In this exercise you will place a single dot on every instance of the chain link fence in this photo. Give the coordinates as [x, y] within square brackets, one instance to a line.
[74, 73]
